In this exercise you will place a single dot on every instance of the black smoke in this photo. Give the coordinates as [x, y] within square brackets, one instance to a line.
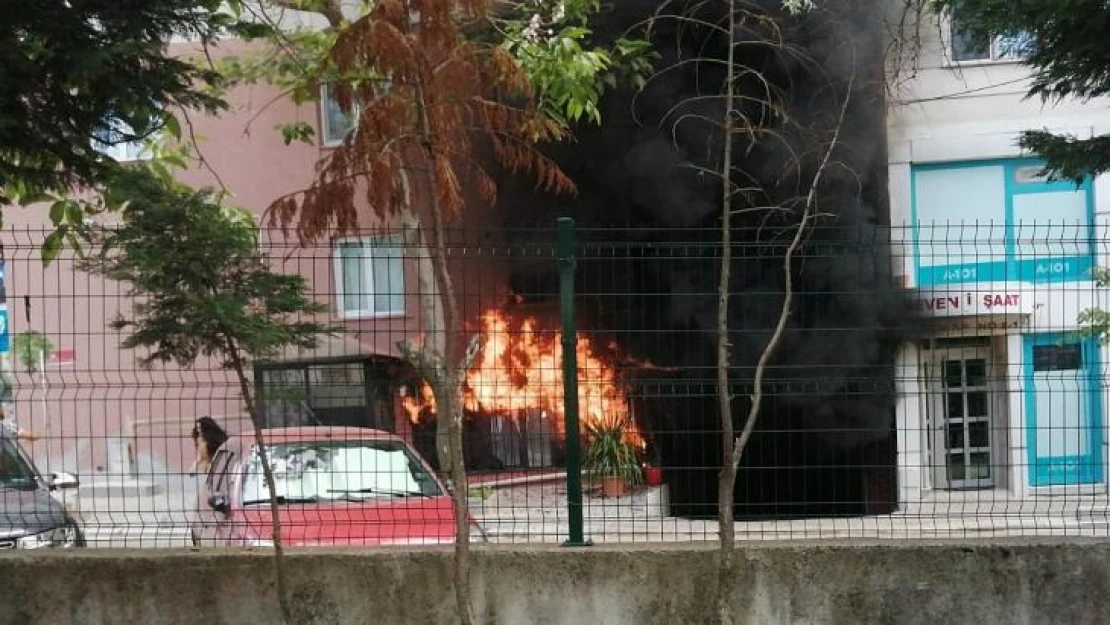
[650, 220]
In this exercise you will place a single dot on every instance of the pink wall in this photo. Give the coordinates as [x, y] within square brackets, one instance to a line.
[92, 400]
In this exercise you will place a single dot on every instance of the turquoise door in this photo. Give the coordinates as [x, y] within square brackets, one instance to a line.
[1063, 410]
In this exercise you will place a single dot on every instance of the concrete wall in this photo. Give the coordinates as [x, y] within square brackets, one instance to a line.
[1013, 584]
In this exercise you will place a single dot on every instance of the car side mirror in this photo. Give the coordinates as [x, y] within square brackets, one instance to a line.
[219, 503]
[63, 481]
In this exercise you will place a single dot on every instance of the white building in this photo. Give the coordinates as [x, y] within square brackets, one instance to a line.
[998, 392]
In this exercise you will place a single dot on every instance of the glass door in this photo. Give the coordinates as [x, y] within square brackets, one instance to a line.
[962, 411]
[1062, 411]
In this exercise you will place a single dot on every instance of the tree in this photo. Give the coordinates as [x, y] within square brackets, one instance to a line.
[74, 70]
[203, 289]
[550, 40]
[31, 349]
[416, 145]
[752, 123]
[1069, 57]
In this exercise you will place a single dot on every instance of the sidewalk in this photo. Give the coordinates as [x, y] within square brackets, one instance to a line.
[133, 514]
[128, 513]
[537, 512]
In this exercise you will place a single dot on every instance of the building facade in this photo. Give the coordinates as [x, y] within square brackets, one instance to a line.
[999, 391]
[99, 412]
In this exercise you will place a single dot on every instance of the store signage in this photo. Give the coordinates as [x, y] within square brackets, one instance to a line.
[969, 303]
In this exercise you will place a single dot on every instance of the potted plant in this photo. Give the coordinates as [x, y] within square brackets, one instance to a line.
[611, 457]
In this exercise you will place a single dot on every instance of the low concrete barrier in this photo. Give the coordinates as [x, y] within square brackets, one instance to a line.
[1012, 583]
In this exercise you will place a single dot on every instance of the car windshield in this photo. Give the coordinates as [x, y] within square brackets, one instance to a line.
[15, 471]
[352, 470]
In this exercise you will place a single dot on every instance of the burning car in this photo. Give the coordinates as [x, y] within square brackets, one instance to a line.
[335, 486]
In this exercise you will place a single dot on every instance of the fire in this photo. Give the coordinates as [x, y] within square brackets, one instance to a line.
[521, 369]
[413, 405]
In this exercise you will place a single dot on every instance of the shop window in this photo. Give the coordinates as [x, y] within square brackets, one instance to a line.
[1057, 358]
[325, 393]
[1000, 220]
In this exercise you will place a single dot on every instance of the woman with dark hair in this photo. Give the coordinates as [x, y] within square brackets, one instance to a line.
[207, 438]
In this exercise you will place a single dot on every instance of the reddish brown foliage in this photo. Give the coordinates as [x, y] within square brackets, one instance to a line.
[443, 94]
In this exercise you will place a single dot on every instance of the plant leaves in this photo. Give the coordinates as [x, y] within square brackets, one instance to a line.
[52, 246]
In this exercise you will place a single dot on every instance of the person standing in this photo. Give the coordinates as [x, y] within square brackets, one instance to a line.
[9, 429]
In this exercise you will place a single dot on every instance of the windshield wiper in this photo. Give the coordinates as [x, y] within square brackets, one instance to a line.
[282, 499]
[381, 491]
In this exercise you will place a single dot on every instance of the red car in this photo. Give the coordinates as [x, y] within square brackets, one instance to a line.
[335, 486]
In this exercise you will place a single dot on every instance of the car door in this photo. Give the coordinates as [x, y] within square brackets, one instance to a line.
[206, 530]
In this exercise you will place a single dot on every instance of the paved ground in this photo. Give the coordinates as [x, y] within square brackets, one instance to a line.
[126, 513]
[130, 515]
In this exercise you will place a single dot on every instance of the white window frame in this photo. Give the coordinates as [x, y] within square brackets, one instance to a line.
[993, 54]
[125, 151]
[367, 278]
[326, 131]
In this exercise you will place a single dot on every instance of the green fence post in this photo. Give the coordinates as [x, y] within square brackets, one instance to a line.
[567, 265]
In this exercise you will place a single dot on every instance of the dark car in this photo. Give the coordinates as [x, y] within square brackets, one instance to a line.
[30, 518]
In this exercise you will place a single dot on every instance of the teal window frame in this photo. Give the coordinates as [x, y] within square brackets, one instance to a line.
[1050, 268]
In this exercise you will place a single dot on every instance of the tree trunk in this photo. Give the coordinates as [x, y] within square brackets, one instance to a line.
[268, 474]
[726, 527]
[431, 308]
[735, 449]
[446, 378]
[448, 389]
[449, 401]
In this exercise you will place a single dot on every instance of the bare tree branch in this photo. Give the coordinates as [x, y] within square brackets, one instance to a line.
[724, 341]
[204, 162]
[330, 9]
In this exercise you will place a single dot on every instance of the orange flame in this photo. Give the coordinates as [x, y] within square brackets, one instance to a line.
[413, 405]
[521, 369]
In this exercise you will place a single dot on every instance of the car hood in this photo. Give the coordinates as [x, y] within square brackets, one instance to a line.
[376, 522]
[28, 512]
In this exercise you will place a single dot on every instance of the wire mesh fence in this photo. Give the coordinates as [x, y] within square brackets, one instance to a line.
[921, 389]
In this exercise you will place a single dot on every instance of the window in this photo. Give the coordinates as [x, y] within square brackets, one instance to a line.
[335, 125]
[15, 472]
[370, 277]
[345, 391]
[1057, 357]
[997, 221]
[112, 140]
[966, 421]
[1009, 47]
[327, 470]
